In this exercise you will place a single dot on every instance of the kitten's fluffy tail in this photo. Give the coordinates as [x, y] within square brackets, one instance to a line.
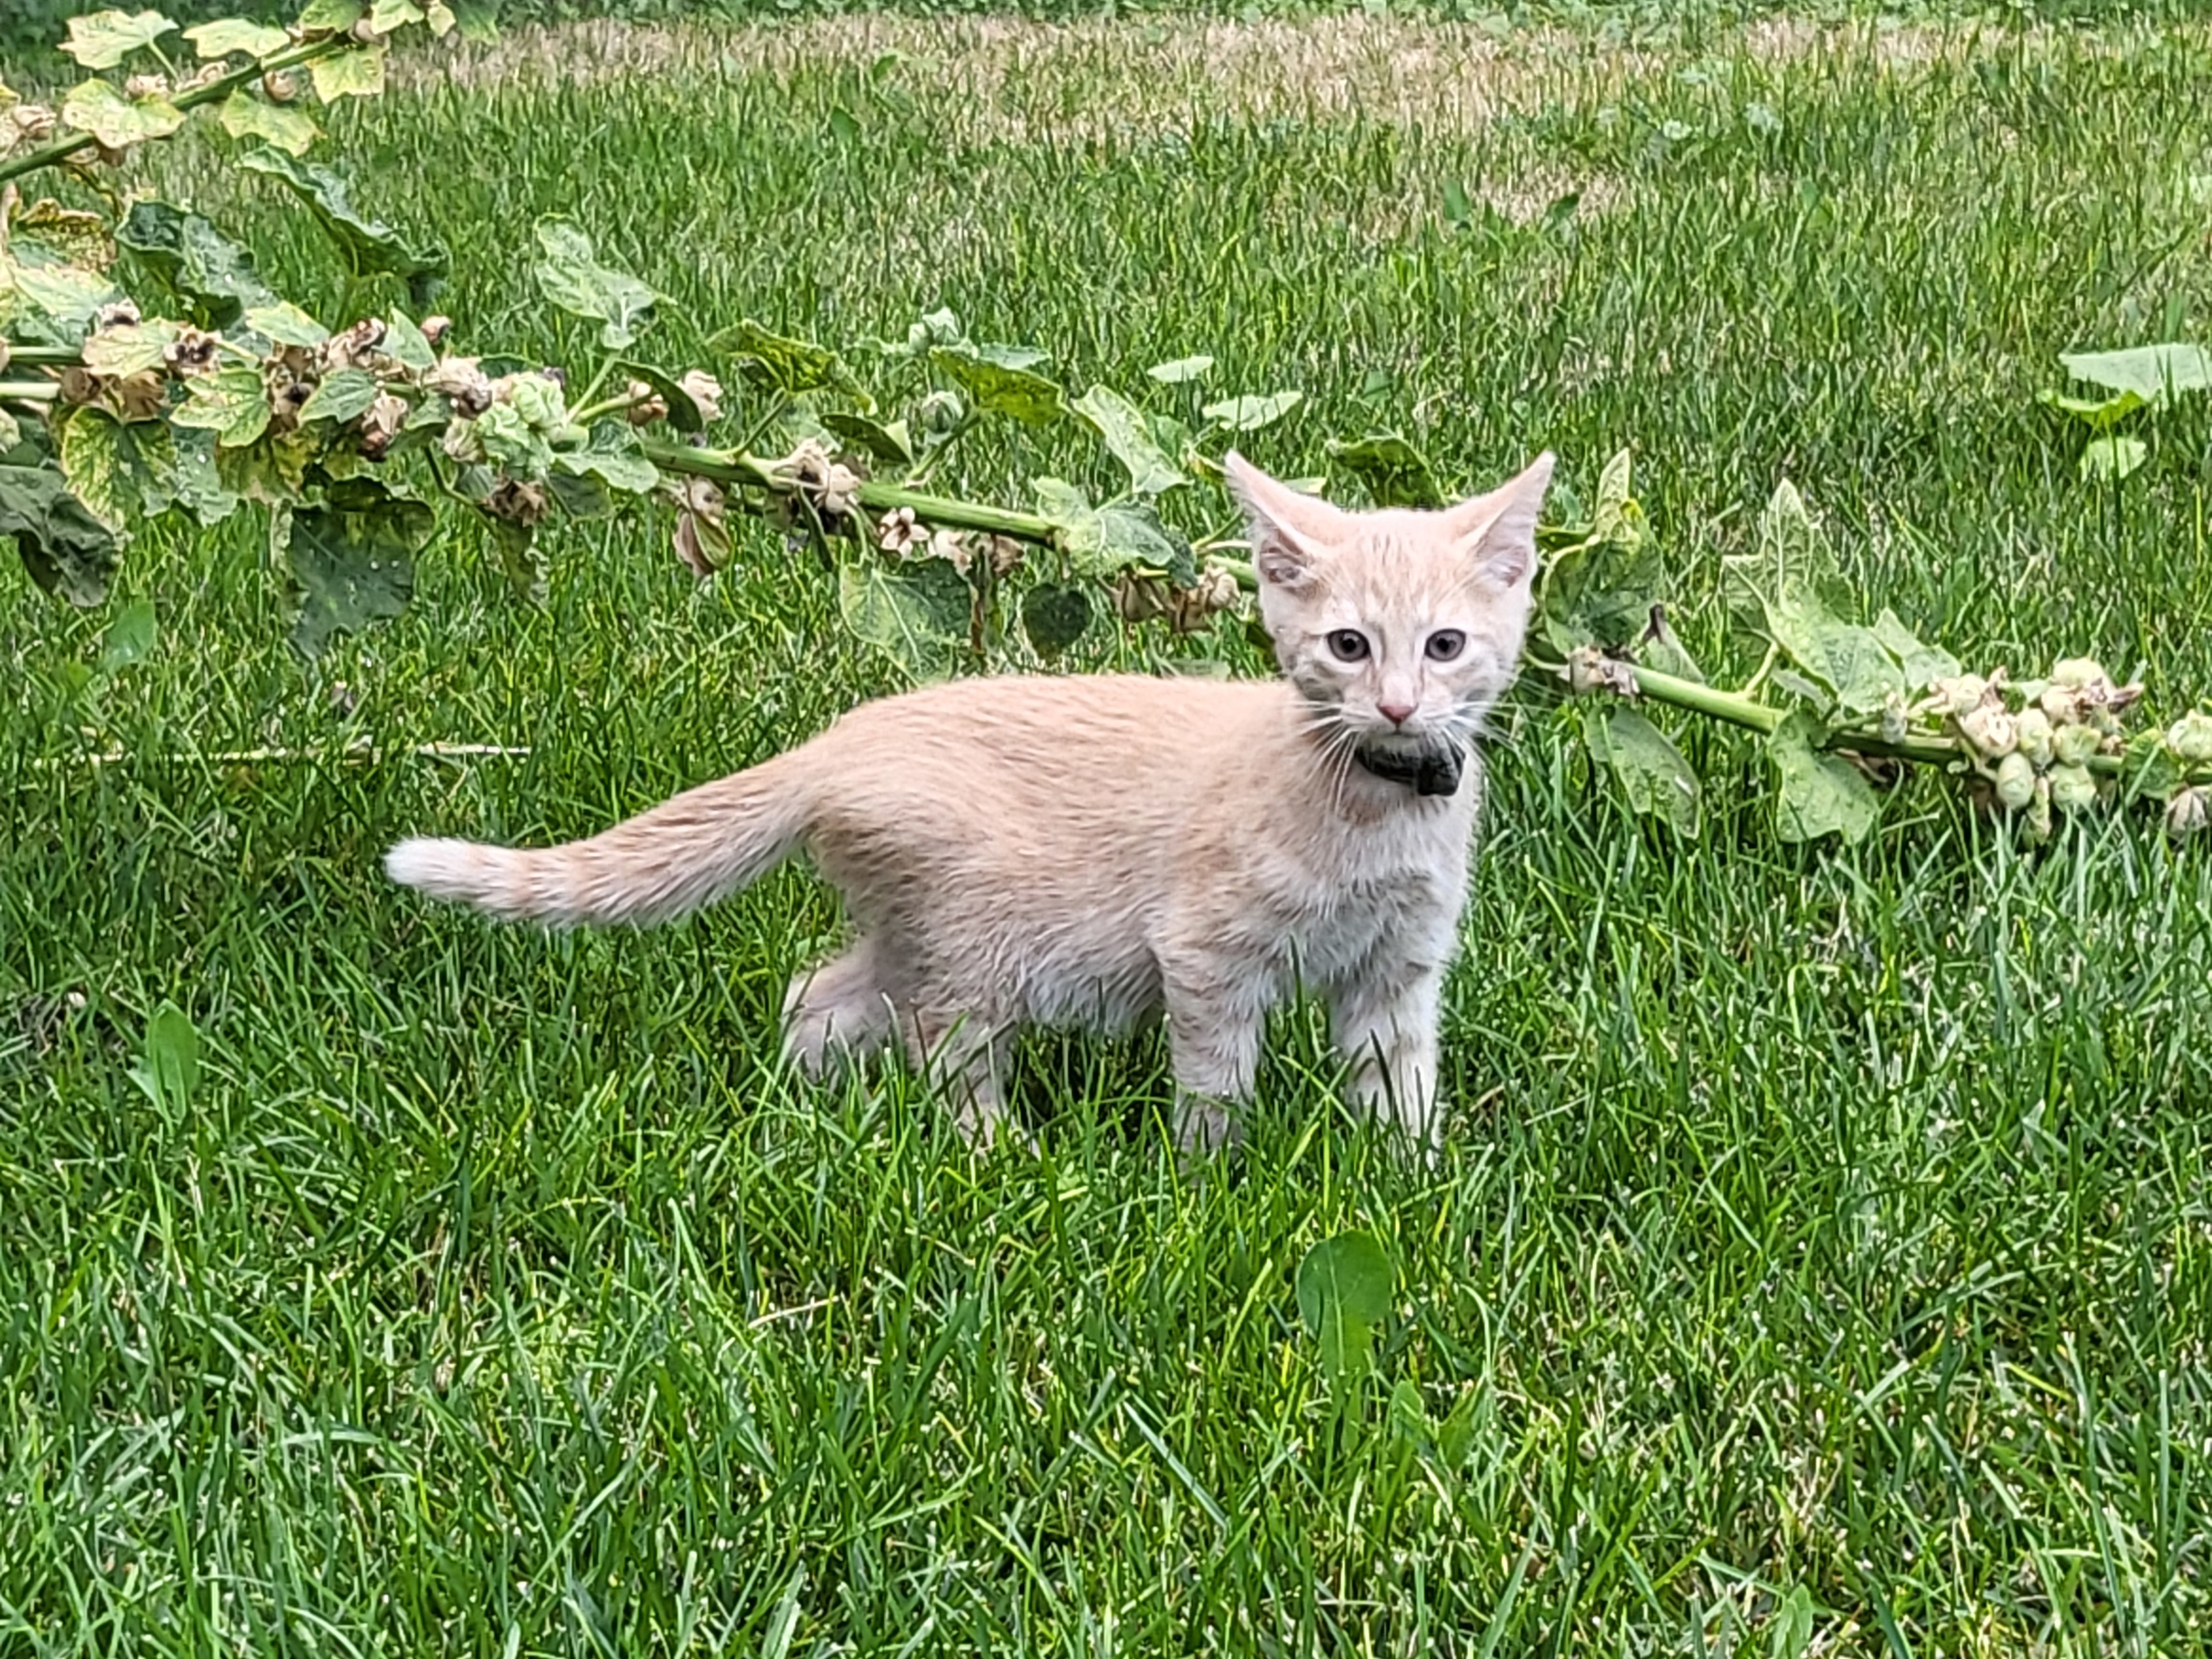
[687, 852]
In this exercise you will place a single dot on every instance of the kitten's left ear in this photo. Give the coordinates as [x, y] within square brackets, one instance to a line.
[1498, 531]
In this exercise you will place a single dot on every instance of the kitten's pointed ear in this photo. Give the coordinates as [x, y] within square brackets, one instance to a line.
[1292, 534]
[1498, 529]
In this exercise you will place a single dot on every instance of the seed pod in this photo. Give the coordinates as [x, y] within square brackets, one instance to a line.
[1990, 730]
[2077, 673]
[2072, 788]
[2072, 746]
[2032, 727]
[279, 88]
[2016, 781]
[940, 412]
[2190, 738]
[704, 390]
[1959, 694]
[2188, 812]
[2061, 706]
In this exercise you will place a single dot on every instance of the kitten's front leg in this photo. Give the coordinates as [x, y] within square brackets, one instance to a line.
[1214, 1029]
[1386, 1027]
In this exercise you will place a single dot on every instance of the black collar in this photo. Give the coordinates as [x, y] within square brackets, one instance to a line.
[1431, 772]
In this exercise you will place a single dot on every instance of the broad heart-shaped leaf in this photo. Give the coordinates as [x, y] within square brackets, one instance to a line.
[1054, 616]
[1821, 795]
[1249, 414]
[1344, 1288]
[1020, 392]
[1654, 778]
[63, 298]
[356, 73]
[2112, 457]
[1850, 660]
[1922, 665]
[405, 344]
[352, 558]
[684, 413]
[1392, 471]
[212, 275]
[1060, 503]
[123, 474]
[1790, 551]
[330, 16]
[1602, 594]
[128, 348]
[1122, 425]
[47, 233]
[96, 107]
[368, 247]
[1102, 541]
[67, 551]
[917, 613]
[101, 39]
[231, 403]
[2151, 372]
[779, 363]
[169, 1071]
[290, 129]
[1617, 517]
[343, 394]
[572, 278]
[1180, 371]
[232, 34]
[886, 443]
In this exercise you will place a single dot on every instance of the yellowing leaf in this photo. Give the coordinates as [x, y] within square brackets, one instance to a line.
[244, 116]
[118, 122]
[66, 236]
[104, 39]
[385, 15]
[356, 74]
[234, 34]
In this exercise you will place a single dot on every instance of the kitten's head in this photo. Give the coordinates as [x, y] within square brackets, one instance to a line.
[1405, 626]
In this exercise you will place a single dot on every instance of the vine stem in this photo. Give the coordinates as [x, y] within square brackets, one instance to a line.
[735, 466]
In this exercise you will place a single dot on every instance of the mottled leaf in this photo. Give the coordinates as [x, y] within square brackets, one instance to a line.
[271, 469]
[614, 459]
[1101, 542]
[886, 443]
[101, 39]
[1653, 776]
[67, 296]
[352, 559]
[212, 275]
[2098, 412]
[231, 403]
[130, 347]
[918, 613]
[96, 107]
[1054, 616]
[124, 474]
[779, 363]
[1122, 425]
[343, 395]
[1392, 472]
[245, 114]
[1019, 392]
[1249, 414]
[284, 324]
[330, 16]
[1821, 795]
[570, 275]
[47, 233]
[1848, 659]
[405, 344]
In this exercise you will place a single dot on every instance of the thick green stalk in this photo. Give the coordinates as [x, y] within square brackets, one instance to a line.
[734, 466]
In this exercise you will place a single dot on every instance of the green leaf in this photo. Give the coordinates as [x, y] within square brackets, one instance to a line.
[684, 413]
[352, 558]
[1122, 425]
[886, 443]
[101, 39]
[1922, 665]
[130, 347]
[1617, 517]
[66, 548]
[917, 613]
[2099, 412]
[1249, 414]
[124, 474]
[231, 403]
[571, 276]
[167, 1071]
[356, 73]
[128, 639]
[1821, 795]
[789, 367]
[96, 107]
[1789, 1626]
[1602, 594]
[1392, 472]
[614, 459]
[385, 15]
[282, 323]
[233, 34]
[245, 115]
[1848, 659]
[211, 274]
[1182, 371]
[66, 296]
[1101, 542]
[2151, 372]
[272, 469]
[2148, 768]
[368, 247]
[2112, 457]
[330, 16]
[1060, 503]
[1791, 552]
[1653, 776]
[343, 395]
[1054, 616]
[11, 432]
[405, 344]
[197, 483]
[1657, 647]
[999, 388]
[1344, 1289]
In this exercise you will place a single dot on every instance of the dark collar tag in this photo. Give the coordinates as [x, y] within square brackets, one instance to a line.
[1433, 772]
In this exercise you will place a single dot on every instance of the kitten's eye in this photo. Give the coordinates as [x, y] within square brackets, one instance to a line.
[1445, 644]
[1348, 645]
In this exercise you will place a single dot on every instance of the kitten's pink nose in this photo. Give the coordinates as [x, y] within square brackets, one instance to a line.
[1396, 713]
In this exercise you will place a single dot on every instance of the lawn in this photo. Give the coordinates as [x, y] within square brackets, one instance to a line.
[1823, 1253]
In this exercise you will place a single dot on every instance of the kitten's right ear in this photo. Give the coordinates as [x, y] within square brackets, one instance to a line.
[1292, 534]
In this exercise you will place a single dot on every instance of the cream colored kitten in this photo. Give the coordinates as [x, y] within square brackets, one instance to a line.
[1094, 850]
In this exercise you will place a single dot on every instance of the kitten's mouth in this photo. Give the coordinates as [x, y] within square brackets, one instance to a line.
[1432, 766]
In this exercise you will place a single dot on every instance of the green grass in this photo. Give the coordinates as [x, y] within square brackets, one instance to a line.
[1819, 1218]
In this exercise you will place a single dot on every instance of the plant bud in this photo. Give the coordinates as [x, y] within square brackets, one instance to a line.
[2077, 673]
[940, 412]
[460, 382]
[2072, 746]
[645, 405]
[1005, 553]
[917, 336]
[2032, 727]
[1958, 694]
[2016, 781]
[2190, 738]
[435, 326]
[2188, 812]
[1990, 730]
[898, 533]
[2072, 788]
[34, 121]
[2062, 708]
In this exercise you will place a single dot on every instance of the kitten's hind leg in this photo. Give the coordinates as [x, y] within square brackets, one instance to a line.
[963, 1055]
[836, 1010]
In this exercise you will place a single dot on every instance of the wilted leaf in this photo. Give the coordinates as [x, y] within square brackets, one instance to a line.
[130, 347]
[1181, 370]
[124, 474]
[101, 39]
[368, 248]
[1821, 795]
[1654, 778]
[96, 107]
[2151, 372]
[129, 638]
[231, 403]
[67, 551]
[47, 233]
[271, 469]
[343, 395]
[289, 128]
[352, 559]
[1019, 392]
[1249, 414]
[1122, 425]
[683, 413]
[233, 34]
[572, 278]
[211, 274]
[886, 443]
[1054, 616]
[918, 613]
[2112, 457]
[285, 324]
[2099, 412]
[1392, 472]
[1344, 1289]
[1922, 665]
